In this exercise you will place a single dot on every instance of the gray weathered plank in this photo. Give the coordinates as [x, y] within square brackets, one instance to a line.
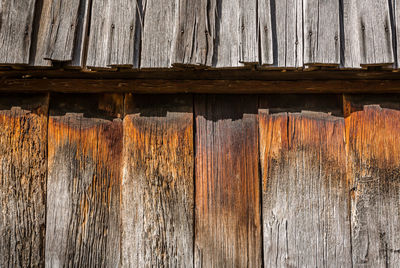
[83, 193]
[321, 32]
[305, 193]
[158, 33]
[39, 39]
[61, 32]
[281, 33]
[195, 33]
[395, 9]
[16, 19]
[367, 33]
[228, 206]
[114, 34]
[372, 127]
[236, 41]
[81, 38]
[23, 143]
[158, 184]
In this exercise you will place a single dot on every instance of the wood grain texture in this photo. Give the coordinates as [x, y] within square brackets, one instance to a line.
[395, 13]
[372, 127]
[368, 33]
[114, 34]
[305, 193]
[158, 183]
[16, 18]
[321, 32]
[236, 42]
[265, 15]
[228, 205]
[158, 33]
[83, 197]
[286, 30]
[61, 34]
[23, 158]
[41, 27]
[195, 33]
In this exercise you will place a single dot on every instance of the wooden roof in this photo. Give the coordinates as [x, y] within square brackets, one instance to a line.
[153, 34]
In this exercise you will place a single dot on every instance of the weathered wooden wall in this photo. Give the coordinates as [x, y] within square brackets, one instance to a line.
[282, 34]
[107, 180]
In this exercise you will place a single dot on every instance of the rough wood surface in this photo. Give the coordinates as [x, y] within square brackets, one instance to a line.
[83, 187]
[368, 33]
[321, 32]
[305, 193]
[158, 33]
[61, 32]
[114, 34]
[23, 152]
[395, 13]
[286, 30]
[41, 23]
[16, 18]
[195, 32]
[372, 127]
[228, 205]
[158, 184]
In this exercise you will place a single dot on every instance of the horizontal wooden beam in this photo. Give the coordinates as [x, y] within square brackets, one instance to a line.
[198, 86]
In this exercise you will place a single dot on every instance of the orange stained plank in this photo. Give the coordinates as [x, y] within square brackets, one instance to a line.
[305, 194]
[372, 135]
[158, 184]
[23, 134]
[85, 149]
[228, 207]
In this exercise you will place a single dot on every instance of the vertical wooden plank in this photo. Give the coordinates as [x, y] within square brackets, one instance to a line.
[372, 127]
[321, 32]
[114, 34]
[23, 153]
[236, 42]
[63, 24]
[16, 18]
[285, 28]
[228, 207]
[158, 33]
[305, 193]
[265, 32]
[158, 184]
[83, 197]
[195, 32]
[367, 24]
[41, 23]
[395, 13]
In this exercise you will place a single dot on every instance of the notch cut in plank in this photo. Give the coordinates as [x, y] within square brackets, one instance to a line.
[195, 33]
[158, 184]
[321, 32]
[236, 41]
[114, 34]
[84, 180]
[304, 188]
[62, 29]
[372, 127]
[16, 19]
[23, 155]
[281, 33]
[158, 33]
[228, 205]
[367, 27]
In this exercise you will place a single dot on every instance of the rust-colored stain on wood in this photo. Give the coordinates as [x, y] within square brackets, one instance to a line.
[374, 166]
[158, 184]
[83, 196]
[305, 194]
[23, 136]
[228, 228]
